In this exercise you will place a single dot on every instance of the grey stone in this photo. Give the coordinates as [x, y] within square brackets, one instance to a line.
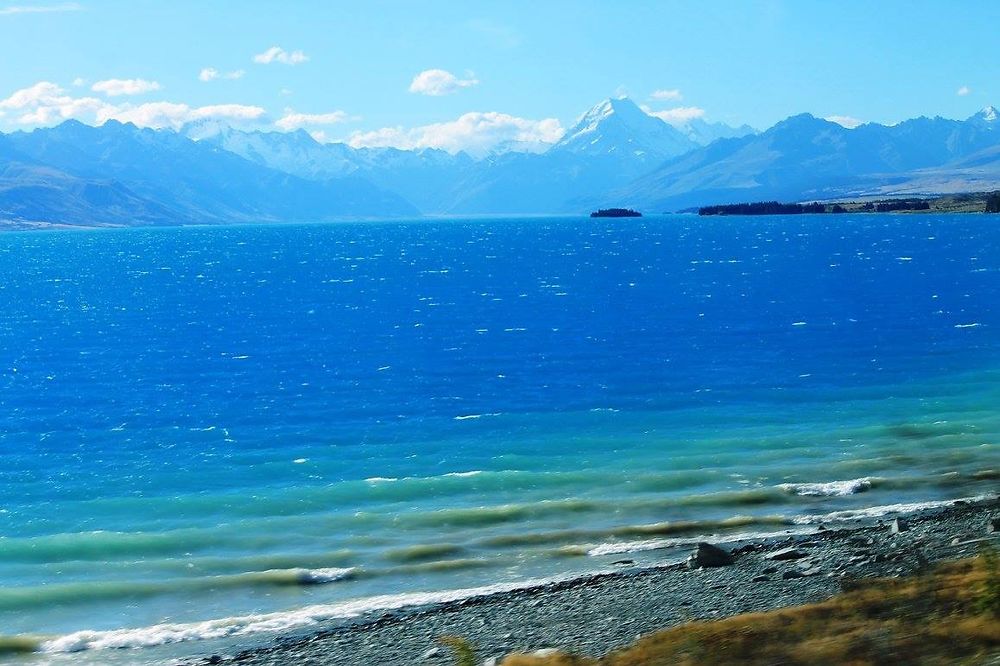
[707, 555]
[993, 525]
[786, 554]
[898, 525]
[433, 654]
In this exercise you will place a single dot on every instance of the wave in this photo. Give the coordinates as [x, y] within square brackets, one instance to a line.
[802, 525]
[830, 488]
[11, 645]
[244, 625]
[873, 512]
[617, 548]
[422, 552]
[492, 515]
[19, 598]
[696, 527]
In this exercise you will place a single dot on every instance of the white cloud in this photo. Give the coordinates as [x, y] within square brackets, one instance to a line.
[160, 115]
[211, 73]
[79, 82]
[476, 133]
[437, 82]
[46, 103]
[118, 87]
[672, 95]
[292, 120]
[278, 54]
[845, 121]
[40, 9]
[680, 115]
[963, 91]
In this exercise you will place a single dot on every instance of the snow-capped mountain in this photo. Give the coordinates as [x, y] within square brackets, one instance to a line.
[618, 127]
[988, 118]
[120, 174]
[804, 157]
[703, 132]
[615, 155]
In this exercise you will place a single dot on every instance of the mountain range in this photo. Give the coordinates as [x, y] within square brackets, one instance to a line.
[617, 154]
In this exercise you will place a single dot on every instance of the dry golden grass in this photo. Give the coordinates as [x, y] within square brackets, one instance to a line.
[945, 617]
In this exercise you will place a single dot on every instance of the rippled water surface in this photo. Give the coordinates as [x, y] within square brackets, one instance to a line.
[239, 429]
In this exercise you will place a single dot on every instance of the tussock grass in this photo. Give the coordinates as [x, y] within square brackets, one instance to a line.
[461, 650]
[950, 615]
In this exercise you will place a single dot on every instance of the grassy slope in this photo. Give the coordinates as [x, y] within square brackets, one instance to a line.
[951, 615]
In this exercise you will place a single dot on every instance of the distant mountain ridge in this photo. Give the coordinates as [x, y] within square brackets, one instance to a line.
[615, 155]
[161, 177]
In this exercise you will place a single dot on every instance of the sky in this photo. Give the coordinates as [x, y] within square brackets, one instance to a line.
[462, 75]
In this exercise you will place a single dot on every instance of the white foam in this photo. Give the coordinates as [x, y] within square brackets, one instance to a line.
[244, 625]
[879, 511]
[657, 544]
[829, 489]
[475, 472]
[466, 417]
[328, 575]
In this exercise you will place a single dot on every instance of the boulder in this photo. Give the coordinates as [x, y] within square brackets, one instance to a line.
[707, 555]
[898, 525]
[786, 554]
[993, 525]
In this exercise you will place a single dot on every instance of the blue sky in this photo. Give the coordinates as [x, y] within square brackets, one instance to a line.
[352, 70]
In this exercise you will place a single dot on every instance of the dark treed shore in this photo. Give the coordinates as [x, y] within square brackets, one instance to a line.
[979, 202]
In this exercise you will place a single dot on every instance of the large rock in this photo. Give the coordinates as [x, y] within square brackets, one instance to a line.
[898, 525]
[707, 555]
[993, 525]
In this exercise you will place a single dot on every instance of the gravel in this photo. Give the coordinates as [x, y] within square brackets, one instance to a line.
[596, 614]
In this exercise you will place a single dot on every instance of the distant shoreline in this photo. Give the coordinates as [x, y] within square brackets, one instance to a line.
[971, 202]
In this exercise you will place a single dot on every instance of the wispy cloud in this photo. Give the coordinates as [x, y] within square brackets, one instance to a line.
[672, 95]
[40, 9]
[292, 120]
[849, 122]
[963, 91]
[437, 82]
[118, 87]
[681, 115]
[477, 133]
[278, 54]
[211, 74]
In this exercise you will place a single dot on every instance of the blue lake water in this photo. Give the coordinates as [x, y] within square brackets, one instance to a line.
[219, 433]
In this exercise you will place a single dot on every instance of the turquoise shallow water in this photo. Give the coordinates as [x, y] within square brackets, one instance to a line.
[217, 434]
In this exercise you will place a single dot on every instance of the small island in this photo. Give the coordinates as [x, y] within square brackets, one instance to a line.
[616, 212]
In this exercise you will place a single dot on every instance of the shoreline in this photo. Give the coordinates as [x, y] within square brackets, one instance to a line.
[600, 612]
